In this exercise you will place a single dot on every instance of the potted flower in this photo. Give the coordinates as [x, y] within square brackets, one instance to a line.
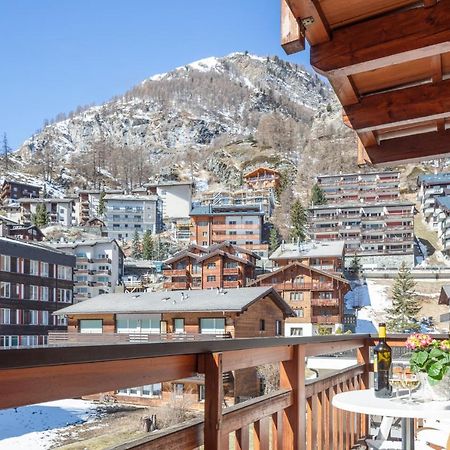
[431, 358]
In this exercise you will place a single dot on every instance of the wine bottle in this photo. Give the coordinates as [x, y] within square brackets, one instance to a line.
[382, 360]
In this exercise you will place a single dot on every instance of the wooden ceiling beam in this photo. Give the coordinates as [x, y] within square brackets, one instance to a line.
[394, 38]
[410, 148]
[292, 31]
[401, 107]
[309, 12]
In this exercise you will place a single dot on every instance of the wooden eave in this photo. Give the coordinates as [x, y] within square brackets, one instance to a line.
[389, 63]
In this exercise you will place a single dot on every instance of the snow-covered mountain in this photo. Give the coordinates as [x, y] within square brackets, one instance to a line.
[206, 105]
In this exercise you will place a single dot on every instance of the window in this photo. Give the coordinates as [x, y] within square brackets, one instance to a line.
[5, 263]
[178, 325]
[205, 233]
[211, 278]
[5, 289]
[201, 393]
[249, 222]
[34, 292]
[232, 233]
[61, 321]
[299, 312]
[34, 267]
[19, 265]
[44, 269]
[64, 273]
[212, 326]
[65, 295]
[5, 316]
[44, 319]
[44, 293]
[262, 325]
[178, 389]
[278, 328]
[296, 296]
[205, 243]
[296, 331]
[232, 222]
[151, 390]
[91, 326]
[211, 265]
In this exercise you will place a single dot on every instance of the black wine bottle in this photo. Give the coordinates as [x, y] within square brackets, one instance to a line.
[382, 360]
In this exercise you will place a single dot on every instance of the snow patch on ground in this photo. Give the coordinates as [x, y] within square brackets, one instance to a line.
[38, 426]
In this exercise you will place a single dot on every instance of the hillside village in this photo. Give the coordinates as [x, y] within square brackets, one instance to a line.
[191, 230]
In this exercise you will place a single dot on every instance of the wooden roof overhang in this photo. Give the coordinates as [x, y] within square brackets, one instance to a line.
[388, 62]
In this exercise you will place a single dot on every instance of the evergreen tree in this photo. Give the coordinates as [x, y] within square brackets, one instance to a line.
[5, 150]
[136, 250]
[405, 305]
[298, 221]
[101, 208]
[274, 239]
[318, 196]
[355, 265]
[40, 218]
[147, 245]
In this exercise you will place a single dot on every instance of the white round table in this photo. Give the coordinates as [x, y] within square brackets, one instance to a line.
[365, 402]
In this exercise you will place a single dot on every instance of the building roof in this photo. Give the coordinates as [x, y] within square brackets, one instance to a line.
[261, 169]
[21, 183]
[311, 249]
[206, 300]
[131, 197]
[299, 264]
[99, 191]
[444, 297]
[45, 200]
[170, 183]
[362, 174]
[223, 244]
[219, 252]
[363, 205]
[444, 202]
[87, 243]
[8, 221]
[226, 210]
[434, 179]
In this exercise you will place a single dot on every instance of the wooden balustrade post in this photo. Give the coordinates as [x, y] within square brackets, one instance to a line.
[363, 357]
[292, 376]
[214, 439]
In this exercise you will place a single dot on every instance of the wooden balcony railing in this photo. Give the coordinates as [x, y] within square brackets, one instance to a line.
[324, 319]
[325, 302]
[177, 285]
[175, 272]
[291, 286]
[299, 415]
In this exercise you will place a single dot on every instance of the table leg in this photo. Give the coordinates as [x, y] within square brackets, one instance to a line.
[407, 434]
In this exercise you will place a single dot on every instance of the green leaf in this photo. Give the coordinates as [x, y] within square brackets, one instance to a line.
[420, 357]
[435, 372]
[436, 353]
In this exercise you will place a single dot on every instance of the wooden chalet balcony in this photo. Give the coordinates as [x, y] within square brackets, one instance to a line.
[292, 286]
[238, 226]
[326, 319]
[175, 272]
[177, 285]
[325, 302]
[231, 270]
[231, 284]
[299, 415]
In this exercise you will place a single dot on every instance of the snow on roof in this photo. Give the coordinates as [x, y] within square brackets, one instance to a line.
[312, 249]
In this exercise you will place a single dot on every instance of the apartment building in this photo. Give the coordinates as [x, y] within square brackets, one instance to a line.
[237, 313]
[35, 281]
[218, 266]
[241, 225]
[431, 187]
[323, 255]
[99, 266]
[89, 201]
[441, 221]
[316, 297]
[262, 178]
[382, 235]
[372, 187]
[61, 211]
[264, 198]
[126, 214]
[12, 191]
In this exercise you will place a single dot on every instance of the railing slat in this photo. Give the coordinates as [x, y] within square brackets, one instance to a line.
[261, 436]
[326, 408]
[242, 439]
[309, 423]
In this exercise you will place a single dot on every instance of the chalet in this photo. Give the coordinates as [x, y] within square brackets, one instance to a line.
[316, 296]
[262, 178]
[14, 190]
[324, 255]
[221, 265]
[237, 313]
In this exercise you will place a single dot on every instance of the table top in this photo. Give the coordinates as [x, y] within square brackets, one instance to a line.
[365, 402]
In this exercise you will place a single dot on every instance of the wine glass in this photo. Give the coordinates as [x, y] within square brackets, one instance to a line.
[396, 377]
[410, 381]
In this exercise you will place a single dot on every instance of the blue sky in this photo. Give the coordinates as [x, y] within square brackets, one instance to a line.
[58, 54]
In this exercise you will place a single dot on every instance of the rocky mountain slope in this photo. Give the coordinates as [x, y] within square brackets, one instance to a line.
[210, 119]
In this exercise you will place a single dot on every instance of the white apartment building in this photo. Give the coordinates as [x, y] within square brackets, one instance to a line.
[89, 202]
[60, 211]
[99, 266]
[431, 187]
[126, 214]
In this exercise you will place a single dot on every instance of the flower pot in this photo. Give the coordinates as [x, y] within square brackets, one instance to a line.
[437, 391]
